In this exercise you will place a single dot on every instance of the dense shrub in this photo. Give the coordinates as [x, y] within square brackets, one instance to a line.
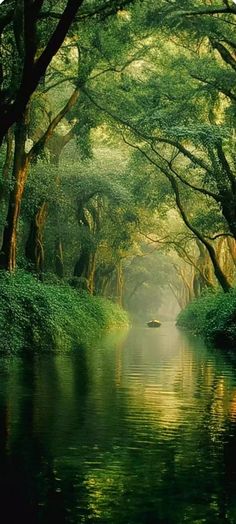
[50, 316]
[213, 316]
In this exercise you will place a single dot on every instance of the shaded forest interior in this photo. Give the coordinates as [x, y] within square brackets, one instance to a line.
[117, 159]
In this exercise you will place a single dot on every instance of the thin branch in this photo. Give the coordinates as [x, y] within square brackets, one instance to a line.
[185, 152]
[195, 188]
[217, 269]
[223, 90]
[202, 190]
[220, 235]
[215, 11]
[59, 82]
[105, 10]
[151, 138]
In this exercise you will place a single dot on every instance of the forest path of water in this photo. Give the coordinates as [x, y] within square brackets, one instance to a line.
[140, 429]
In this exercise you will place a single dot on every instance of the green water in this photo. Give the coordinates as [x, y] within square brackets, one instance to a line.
[140, 429]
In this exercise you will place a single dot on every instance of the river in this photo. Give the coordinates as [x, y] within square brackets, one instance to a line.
[138, 429]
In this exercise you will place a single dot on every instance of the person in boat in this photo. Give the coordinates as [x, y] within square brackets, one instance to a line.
[154, 323]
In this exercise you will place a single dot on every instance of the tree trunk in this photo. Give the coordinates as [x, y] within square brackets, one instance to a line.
[179, 295]
[91, 272]
[5, 187]
[33, 69]
[228, 206]
[82, 264]
[34, 246]
[20, 171]
[56, 145]
[104, 286]
[204, 277]
[58, 256]
[232, 248]
[220, 276]
[119, 283]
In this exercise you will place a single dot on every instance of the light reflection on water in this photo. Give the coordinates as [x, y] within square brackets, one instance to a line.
[138, 430]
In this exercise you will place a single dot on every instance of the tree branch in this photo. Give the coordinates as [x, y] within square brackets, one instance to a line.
[40, 144]
[220, 235]
[105, 10]
[223, 90]
[217, 269]
[30, 81]
[224, 53]
[227, 169]
[215, 11]
[202, 190]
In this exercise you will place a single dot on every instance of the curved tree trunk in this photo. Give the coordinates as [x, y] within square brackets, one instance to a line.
[220, 276]
[202, 277]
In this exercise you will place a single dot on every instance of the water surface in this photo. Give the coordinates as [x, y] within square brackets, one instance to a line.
[139, 429]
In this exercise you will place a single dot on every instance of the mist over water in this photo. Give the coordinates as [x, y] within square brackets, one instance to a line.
[140, 429]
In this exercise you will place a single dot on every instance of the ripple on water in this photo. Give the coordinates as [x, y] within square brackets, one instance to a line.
[135, 431]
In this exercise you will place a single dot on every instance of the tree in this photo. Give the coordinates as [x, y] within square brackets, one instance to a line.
[190, 142]
[25, 23]
[27, 63]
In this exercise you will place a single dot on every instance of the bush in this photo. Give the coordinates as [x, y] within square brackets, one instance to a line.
[50, 316]
[213, 316]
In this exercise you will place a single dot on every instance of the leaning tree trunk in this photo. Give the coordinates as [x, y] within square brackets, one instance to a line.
[179, 295]
[203, 277]
[220, 276]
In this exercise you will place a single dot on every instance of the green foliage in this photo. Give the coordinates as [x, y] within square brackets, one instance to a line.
[152, 77]
[51, 317]
[212, 316]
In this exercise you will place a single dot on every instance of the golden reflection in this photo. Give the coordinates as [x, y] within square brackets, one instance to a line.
[174, 390]
[118, 364]
[232, 409]
[150, 410]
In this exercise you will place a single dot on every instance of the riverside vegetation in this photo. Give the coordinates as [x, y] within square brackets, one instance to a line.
[51, 317]
[213, 316]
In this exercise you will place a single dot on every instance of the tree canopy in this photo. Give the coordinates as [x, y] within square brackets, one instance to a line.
[118, 145]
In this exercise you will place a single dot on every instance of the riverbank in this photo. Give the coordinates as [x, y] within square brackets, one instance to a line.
[51, 317]
[213, 316]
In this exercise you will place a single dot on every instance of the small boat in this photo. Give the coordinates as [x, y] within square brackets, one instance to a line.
[154, 323]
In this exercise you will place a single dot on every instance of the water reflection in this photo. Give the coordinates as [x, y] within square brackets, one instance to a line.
[138, 430]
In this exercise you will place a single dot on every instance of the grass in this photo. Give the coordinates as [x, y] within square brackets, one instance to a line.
[36, 316]
[212, 316]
